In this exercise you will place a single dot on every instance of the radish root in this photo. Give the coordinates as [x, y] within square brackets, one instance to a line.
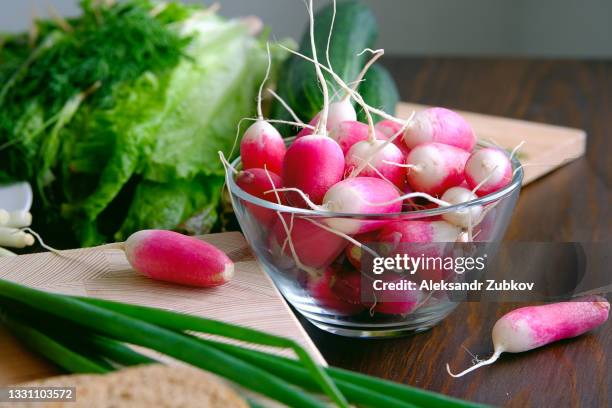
[491, 360]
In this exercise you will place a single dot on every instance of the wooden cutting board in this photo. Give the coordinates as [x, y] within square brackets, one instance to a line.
[249, 299]
[546, 147]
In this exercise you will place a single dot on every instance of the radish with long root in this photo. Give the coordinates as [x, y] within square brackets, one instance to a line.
[440, 125]
[382, 161]
[490, 169]
[315, 162]
[531, 327]
[433, 168]
[262, 145]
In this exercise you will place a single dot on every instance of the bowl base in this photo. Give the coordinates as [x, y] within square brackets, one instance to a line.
[366, 331]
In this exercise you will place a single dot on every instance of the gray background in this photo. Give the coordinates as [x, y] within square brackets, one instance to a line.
[546, 28]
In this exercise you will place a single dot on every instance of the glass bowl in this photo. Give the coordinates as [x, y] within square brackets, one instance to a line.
[329, 279]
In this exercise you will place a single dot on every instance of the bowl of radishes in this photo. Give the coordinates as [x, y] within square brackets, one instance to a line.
[321, 210]
[315, 224]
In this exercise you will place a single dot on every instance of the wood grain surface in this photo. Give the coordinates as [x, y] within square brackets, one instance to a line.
[571, 204]
[249, 299]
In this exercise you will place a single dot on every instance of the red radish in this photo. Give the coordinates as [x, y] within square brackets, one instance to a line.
[489, 169]
[435, 167]
[390, 128]
[361, 195]
[261, 146]
[173, 257]
[314, 246]
[256, 182]
[313, 164]
[382, 160]
[440, 125]
[531, 327]
[466, 217]
[321, 288]
[354, 253]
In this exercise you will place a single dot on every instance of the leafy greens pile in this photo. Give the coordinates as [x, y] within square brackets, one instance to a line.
[116, 116]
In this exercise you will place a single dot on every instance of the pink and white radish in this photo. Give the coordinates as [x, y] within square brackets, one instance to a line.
[314, 247]
[361, 195]
[440, 125]
[489, 169]
[382, 157]
[433, 168]
[262, 145]
[531, 327]
[465, 217]
[173, 257]
[258, 183]
[312, 164]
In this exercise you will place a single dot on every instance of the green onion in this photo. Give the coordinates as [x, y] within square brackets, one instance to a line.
[64, 357]
[181, 322]
[141, 333]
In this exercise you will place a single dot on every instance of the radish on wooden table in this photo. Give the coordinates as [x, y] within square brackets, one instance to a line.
[489, 169]
[173, 257]
[531, 327]
[433, 168]
[440, 125]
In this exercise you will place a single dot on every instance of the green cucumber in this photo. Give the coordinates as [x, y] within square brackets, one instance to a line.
[354, 30]
[379, 90]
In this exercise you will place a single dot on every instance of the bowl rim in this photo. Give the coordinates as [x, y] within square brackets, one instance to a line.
[514, 185]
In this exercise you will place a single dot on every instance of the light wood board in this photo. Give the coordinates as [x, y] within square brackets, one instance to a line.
[546, 147]
[249, 299]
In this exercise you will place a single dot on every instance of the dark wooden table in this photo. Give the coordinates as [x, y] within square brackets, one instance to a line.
[572, 204]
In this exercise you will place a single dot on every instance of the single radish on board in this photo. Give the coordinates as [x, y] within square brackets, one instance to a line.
[258, 183]
[465, 217]
[314, 246]
[361, 195]
[440, 125]
[531, 327]
[261, 146]
[436, 167]
[312, 164]
[489, 169]
[173, 257]
[382, 159]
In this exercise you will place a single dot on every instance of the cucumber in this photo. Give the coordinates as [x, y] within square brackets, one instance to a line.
[379, 91]
[354, 29]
